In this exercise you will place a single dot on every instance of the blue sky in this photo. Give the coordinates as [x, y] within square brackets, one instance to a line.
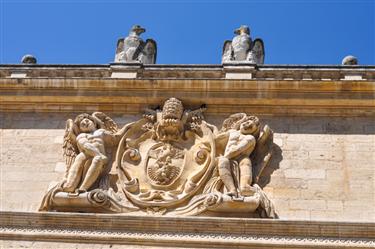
[187, 32]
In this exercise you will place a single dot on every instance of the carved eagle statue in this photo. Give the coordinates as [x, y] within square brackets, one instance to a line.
[134, 49]
[242, 48]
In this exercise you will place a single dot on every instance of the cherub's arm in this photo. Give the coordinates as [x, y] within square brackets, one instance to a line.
[88, 148]
[221, 136]
[212, 127]
[120, 133]
[243, 145]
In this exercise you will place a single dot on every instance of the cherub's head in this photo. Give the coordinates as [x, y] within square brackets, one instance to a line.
[248, 125]
[85, 123]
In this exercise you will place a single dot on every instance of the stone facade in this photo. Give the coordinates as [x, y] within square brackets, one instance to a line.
[323, 166]
[322, 118]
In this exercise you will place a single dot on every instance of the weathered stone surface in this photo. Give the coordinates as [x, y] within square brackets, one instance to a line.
[89, 89]
[322, 165]
[349, 60]
[134, 49]
[31, 149]
[169, 162]
[242, 48]
[189, 232]
[28, 59]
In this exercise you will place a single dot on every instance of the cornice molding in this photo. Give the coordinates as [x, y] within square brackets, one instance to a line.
[185, 231]
[257, 96]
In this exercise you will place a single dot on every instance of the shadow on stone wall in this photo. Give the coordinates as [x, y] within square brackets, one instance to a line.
[279, 124]
[28, 120]
[321, 125]
[276, 158]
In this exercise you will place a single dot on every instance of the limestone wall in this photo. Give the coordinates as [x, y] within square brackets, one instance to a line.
[327, 169]
[323, 167]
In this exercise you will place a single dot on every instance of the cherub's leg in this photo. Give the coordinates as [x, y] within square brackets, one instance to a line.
[75, 173]
[96, 168]
[226, 175]
[246, 175]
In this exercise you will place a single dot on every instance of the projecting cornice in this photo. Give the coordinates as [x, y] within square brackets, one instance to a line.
[184, 231]
[129, 88]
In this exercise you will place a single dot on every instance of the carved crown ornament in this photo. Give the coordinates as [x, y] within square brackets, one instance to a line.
[170, 162]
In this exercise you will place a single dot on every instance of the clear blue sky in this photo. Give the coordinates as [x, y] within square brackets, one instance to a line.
[187, 32]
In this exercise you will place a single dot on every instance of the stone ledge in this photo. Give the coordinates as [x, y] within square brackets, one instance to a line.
[191, 71]
[179, 239]
[184, 231]
[272, 97]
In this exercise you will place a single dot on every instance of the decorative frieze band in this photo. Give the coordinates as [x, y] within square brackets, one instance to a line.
[186, 231]
[259, 97]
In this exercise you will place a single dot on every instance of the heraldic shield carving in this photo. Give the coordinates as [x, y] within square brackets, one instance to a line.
[170, 162]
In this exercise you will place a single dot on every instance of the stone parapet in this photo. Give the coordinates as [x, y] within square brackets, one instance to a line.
[191, 71]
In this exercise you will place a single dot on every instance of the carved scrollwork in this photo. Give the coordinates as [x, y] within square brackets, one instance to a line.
[171, 162]
[201, 155]
[98, 198]
[132, 186]
[131, 155]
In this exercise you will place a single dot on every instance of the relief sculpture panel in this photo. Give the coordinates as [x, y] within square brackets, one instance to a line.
[170, 162]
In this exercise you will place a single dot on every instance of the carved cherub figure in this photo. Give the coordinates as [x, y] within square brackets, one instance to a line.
[242, 48]
[239, 133]
[88, 141]
[134, 49]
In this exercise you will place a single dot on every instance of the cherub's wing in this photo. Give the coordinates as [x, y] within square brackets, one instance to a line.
[119, 49]
[149, 52]
[105, 122]
[70, 149]
[256, 55]
[227, 51]
[231, 120]
[262, 153]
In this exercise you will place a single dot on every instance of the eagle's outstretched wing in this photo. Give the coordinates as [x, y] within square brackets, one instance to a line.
[227, 52]
[70, 149]
[149, 52]
[262, 153]
[119, 50]
[256, 54]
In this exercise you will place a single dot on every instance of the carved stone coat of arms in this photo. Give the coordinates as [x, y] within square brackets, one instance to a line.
[170, 162]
